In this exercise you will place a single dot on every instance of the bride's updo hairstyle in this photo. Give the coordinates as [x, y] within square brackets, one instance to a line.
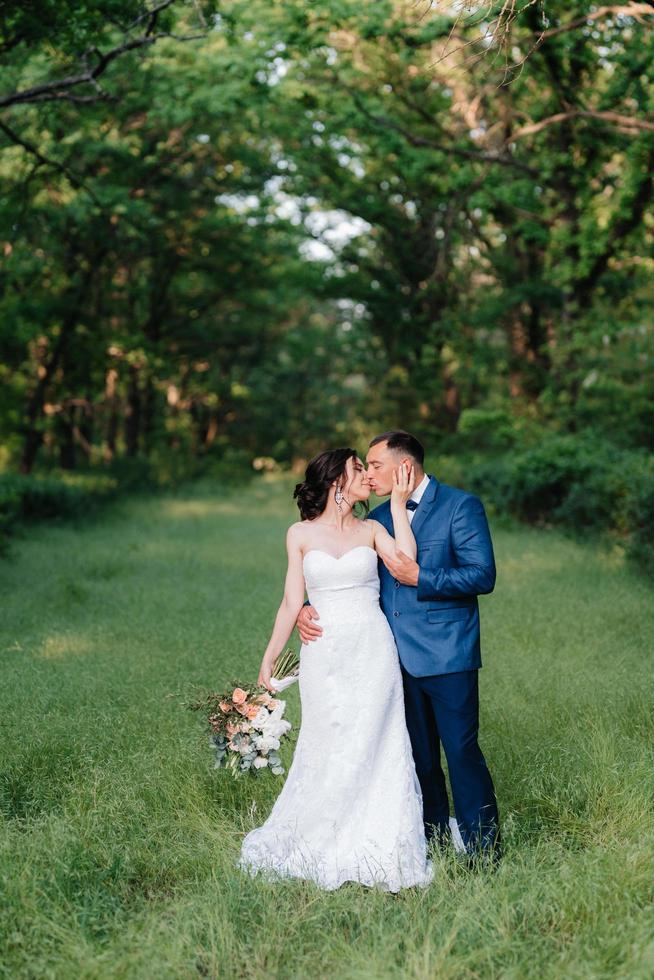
[313, 493]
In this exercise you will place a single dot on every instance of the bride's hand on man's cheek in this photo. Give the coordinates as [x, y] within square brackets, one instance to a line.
[403, 484]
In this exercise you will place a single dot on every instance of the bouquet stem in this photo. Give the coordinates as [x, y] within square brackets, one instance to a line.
[287, 663]
[285, 670]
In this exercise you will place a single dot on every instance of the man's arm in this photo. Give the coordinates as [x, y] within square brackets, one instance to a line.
[307, 629]
[473, 549]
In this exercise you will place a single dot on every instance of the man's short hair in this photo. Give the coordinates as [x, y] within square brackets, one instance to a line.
[402, 442]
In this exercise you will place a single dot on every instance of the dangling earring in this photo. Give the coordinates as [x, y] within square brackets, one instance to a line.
[338, 497]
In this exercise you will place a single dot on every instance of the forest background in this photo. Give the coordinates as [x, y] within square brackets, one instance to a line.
[236, 233]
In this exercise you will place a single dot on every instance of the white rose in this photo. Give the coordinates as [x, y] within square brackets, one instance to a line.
[276, 729]
[260, 718]
[265, 743]
[260, 762]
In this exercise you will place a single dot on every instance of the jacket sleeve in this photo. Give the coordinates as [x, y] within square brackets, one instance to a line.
[474, 573]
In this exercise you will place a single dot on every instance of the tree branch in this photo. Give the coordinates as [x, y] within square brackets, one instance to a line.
[635, 10]
[455, 150]
[57, 89]
[150, 13]
[416, 140]
[74, 178]
[612, 118]
[628, 217]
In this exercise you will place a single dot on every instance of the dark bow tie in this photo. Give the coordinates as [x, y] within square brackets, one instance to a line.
[411, 504]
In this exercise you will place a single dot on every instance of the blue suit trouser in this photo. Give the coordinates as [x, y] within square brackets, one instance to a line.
[443, 709]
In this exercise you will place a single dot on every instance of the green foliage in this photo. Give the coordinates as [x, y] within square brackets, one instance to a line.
[71, 25]
[174, 302]
[487, 429]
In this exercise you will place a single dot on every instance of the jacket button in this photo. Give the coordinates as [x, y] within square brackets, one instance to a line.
[396, 613]
[397, 585]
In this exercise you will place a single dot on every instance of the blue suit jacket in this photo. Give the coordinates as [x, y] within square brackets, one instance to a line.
[436, 625]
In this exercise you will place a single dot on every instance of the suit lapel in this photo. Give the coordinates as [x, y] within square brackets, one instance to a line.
[424, 506]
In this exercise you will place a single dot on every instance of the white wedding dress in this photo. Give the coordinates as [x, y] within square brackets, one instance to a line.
[351, 807]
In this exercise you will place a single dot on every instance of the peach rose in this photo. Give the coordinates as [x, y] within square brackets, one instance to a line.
[232, 728]
[239, 696]
[251, 711]
[225, 707]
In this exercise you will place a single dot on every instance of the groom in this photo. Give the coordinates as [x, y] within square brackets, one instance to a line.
[431, 606]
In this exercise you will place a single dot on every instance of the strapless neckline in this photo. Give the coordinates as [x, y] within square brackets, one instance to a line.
[338, 557]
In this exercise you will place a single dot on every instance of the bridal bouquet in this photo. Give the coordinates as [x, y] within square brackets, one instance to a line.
[247, 725]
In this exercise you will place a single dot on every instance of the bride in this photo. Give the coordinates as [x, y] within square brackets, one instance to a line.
[351, 807]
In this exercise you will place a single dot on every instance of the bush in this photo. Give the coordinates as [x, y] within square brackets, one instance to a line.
[640, 511]
[487, 429]
[578, 482]
[10, 504]
[168, 470]
[25, 499]
[134, 473]
[543, 477]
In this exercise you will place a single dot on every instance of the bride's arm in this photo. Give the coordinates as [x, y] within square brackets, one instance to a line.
[289, 607]
[404, 541]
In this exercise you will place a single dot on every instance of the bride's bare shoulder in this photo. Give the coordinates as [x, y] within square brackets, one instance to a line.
[296, 532]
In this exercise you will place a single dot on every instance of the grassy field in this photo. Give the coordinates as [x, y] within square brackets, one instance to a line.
[119, 840]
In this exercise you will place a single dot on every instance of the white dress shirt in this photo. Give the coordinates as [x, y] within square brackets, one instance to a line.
[417, 495]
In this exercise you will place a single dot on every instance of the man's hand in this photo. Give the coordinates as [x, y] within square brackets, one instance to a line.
[306, 628]
[403, 568]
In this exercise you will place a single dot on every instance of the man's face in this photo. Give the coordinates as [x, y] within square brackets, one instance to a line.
[381, 462]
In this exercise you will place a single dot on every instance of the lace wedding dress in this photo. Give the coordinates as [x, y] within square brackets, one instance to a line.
[351, 808]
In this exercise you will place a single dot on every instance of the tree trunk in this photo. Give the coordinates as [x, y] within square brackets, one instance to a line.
[111, 401]
[31, 446]
[133, 412]
[451, 402]
[517, 355]
[66, 438]
[149, 412]
[34, 411]
[83, 430]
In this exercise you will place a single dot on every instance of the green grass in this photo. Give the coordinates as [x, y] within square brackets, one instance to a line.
[119, 840]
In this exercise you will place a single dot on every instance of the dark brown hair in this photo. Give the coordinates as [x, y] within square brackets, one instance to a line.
[400, 441]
